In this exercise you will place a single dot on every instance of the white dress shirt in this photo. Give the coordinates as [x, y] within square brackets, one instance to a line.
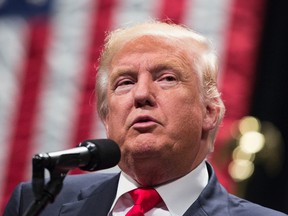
[177, 196]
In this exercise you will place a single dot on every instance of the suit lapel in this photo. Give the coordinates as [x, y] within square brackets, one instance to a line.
[93, 201]
[212, 201]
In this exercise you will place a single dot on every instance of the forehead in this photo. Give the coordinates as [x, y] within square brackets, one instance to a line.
[169, 50]
[148, 43]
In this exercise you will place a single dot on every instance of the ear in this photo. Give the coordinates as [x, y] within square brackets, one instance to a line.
[211, 116]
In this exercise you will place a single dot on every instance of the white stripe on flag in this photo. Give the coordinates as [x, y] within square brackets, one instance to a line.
[210, 18]
[129, 12]
[60, 90]
[65, 60]
[13, 33]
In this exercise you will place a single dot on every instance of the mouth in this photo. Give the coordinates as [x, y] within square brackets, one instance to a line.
[144, 122]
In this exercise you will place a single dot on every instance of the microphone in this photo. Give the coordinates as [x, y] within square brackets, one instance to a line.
[90, 155]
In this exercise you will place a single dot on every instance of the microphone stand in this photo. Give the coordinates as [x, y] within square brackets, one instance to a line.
[44, 193]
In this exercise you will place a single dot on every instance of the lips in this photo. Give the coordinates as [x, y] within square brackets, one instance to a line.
[144, 121]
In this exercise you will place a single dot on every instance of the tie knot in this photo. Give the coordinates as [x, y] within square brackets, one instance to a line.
[144, 200]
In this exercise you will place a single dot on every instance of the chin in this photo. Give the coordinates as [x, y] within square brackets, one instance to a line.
[149, 177]
[146, 170]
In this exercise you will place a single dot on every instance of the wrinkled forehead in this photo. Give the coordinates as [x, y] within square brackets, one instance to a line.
[152, 52]
[166, 45]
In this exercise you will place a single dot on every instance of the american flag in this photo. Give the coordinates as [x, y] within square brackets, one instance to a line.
[49, 50]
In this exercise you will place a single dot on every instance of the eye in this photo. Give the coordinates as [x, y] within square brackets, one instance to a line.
[123, 86]
[167, 80]
[125, 82]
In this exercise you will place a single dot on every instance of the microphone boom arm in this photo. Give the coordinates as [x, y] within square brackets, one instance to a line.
[58, 168]
[44, 193]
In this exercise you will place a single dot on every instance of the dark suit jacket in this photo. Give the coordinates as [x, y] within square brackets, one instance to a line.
[93, 195]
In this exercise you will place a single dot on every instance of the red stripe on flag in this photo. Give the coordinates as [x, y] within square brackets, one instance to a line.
[243, 37]
[241, 56]
[172, 10]
[101, 23]
[27, 106]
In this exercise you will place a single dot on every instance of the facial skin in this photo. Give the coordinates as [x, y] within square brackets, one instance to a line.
[155, 111]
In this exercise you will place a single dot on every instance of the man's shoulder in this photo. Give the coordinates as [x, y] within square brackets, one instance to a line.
[86, 182]
[239, 206]
[81, 180]
[216, 200]
[88, 179]
[75, 187]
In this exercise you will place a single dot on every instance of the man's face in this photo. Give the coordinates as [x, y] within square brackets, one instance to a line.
[155, 113]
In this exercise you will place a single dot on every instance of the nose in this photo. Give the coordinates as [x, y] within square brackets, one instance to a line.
[144, 92]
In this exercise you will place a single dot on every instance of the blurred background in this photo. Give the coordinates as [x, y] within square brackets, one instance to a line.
[49, 51]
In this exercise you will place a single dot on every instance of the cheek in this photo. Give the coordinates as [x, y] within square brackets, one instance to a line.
[186, 119]
[118, 112]
[119, 107]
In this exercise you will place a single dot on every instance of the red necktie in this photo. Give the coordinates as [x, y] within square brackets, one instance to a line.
[144, 200]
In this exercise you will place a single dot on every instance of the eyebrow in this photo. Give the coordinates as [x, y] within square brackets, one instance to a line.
[120, 71]
[159, 67]
[167, 65]
[154, 67]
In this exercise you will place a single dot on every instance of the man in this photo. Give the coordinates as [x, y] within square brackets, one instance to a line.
[158, 99]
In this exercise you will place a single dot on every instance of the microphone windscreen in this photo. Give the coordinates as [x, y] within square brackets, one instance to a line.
[106, 154]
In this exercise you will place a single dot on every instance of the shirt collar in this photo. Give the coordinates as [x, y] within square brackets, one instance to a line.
[177, 195]
[181, 193]
[126, 184]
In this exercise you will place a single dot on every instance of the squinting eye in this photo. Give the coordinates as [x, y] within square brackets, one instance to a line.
[123, 86]
[167, 80]
[125, 82]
